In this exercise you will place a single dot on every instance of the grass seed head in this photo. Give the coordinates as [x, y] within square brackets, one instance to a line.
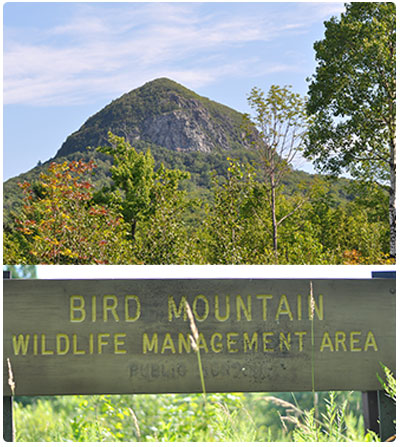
[10, 377]
[193, 326]
[135, 421]
[312, 301]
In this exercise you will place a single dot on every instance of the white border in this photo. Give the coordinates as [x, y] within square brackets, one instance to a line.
[208, 271]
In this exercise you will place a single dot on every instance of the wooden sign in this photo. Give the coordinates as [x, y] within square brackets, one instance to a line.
[134, 336]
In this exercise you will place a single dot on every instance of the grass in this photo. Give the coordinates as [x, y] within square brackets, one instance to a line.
[232, 417]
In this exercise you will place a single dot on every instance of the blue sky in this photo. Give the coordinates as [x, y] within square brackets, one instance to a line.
[63, 62]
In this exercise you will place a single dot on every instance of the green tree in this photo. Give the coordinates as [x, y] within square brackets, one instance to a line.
[352, 98]
[162, 238]
[150, 200]
[281, 122]
[133, 176]
[234, 229]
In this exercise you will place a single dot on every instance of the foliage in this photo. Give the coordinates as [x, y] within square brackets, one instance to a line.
[59, 223]
[353, 90]
[200, 165]
[389, 384]
[231, 231]
[281, 122]
[233, 417]
[152, 211]
[40, 422]
[236, 229]
[65, 220]
[132, 174]
[150, 201]
[229, 417]
[333, 425]
[163, 237]
[352, 97]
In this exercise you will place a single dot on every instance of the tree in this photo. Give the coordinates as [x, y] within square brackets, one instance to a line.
[133, 174]
[150, 200]
[352, 97]
[162, 237]
[347, 231]
[233, 231]
[59, 223]
[281, 123]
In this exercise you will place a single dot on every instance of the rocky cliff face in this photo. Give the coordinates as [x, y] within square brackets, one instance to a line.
[190, 127]
[166, 114]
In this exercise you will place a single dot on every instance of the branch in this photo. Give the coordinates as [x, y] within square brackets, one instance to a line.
[377, 157]
[299, 205]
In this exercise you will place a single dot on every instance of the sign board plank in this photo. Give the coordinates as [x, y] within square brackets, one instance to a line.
[133, 336]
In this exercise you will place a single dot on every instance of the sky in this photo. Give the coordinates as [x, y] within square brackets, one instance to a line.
[63, 62]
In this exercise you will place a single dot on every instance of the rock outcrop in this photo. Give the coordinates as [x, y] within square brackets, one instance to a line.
[164, 113]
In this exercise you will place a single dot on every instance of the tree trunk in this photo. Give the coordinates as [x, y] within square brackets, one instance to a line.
[273, 215]
[133, 230]
[392, 199]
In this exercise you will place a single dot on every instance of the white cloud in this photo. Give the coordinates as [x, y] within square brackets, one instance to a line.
[106, 51]
[81, 26]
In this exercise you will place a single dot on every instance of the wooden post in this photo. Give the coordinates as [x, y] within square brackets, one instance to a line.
[387, 415]
[370, 410]
[8, 424]
[379, 410]
[8, 432]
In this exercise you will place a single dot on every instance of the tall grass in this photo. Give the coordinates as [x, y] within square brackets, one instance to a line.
[194, 339]
[232, 417]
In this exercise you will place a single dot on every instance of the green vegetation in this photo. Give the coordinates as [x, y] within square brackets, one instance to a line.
[234, 417]
[60, 224]
[389, 384]
[148, 203]
[21, 271]
[138, 117]
[352, 98]
[219, 417]
[282, 123]
[147, 216]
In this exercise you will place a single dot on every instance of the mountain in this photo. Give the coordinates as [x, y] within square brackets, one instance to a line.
[166, 114]
[182, 129]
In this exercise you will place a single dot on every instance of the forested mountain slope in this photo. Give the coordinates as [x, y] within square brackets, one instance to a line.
[182, 129]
